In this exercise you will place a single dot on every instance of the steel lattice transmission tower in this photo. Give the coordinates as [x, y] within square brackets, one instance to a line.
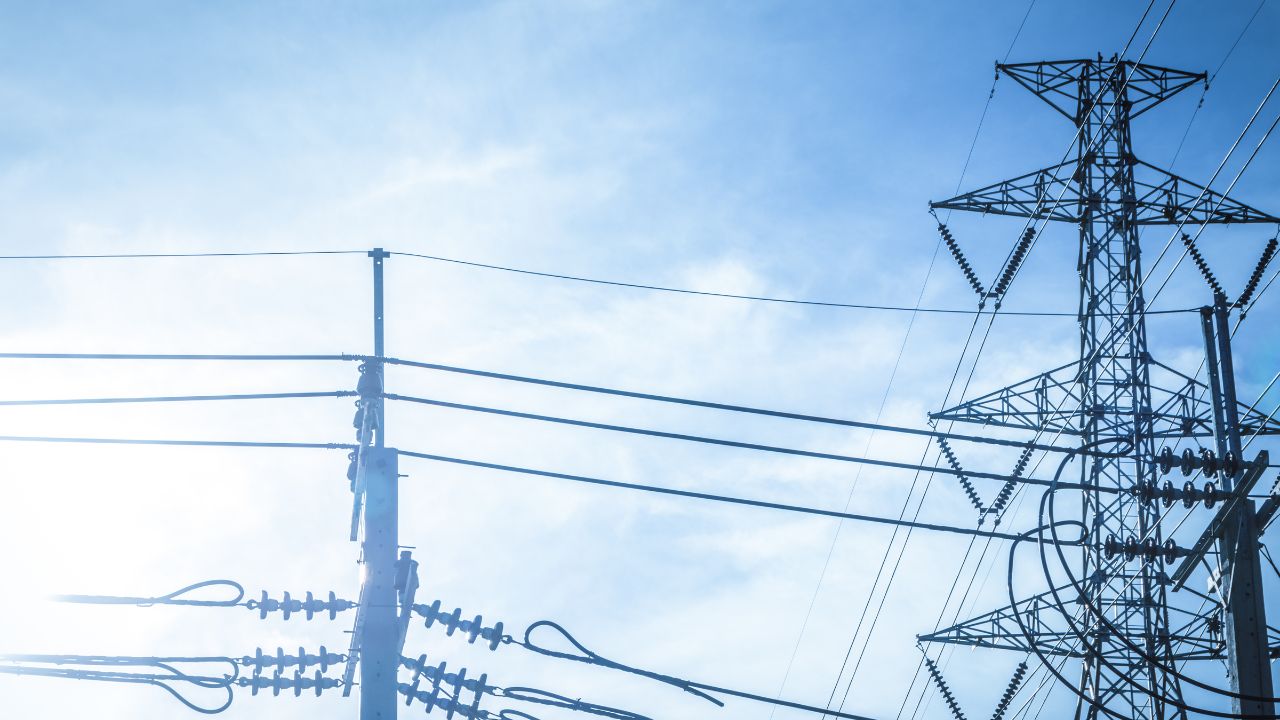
[1115, 390]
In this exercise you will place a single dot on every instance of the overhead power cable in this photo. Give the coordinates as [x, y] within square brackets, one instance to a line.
[729, 407]
[735, 296]
[709, 496]
[710, 405]
[182, 443]
[168, 356]
[179, 398]
[710, 440]
[157, 255]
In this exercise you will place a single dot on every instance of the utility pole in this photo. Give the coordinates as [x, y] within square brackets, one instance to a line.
[378, 629]
[1239, 565]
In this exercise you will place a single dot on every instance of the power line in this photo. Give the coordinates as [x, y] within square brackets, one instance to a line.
[178, 398]
[709, 440]
[169, 356]
[182, 443]
[148, 256]
[729, 407]
[707, 496]
[733, 296]
[708, 404]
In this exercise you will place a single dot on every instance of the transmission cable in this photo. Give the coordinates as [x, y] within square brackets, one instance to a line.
[141, 256]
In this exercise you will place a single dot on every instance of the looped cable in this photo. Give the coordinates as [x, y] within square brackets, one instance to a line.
[162, 681]
[545, 697]
[509, 714]
[592, 658]
[173, 598]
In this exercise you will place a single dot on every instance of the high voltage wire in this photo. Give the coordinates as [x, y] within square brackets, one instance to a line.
[177, 398]
[709, 496]
[1212, 77]
[707, 440]
[159, 255]
[596, 389]
[653, 489]
[572, 278]
[733, 296]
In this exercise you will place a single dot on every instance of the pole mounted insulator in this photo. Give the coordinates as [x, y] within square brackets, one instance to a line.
[965, 268]
[439, 678]
[1206, 462]
[1250, 287]
[288, 605]
[452, 622]
[323, 659]
[1148, 549]
[278, 681]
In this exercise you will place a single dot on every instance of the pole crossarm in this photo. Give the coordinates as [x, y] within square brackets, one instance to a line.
[1058, 82]
[1052, 402]
[1211, 533]
[1053, 193]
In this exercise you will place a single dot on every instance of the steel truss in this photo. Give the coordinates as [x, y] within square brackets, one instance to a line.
[1115, 391]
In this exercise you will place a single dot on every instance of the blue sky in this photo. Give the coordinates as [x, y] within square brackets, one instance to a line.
[759, 148]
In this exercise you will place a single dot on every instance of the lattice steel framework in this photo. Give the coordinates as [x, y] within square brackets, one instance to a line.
[1109, 393]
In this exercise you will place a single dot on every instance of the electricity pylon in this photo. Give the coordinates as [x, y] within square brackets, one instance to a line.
[1115, 396]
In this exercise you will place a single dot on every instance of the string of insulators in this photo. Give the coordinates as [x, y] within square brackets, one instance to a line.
[1015, 261]
[965, 483]
[437, 674]
[439, 677]
[1203, 266]
[453, 622]
[1206, 461]
[1131, 548]
[304, 661]
[451, 706]
[956, 253]
[936, 674]
[1010, 691]
[1267, 254]
[277, 682]
[1006, 490]
[288, 606]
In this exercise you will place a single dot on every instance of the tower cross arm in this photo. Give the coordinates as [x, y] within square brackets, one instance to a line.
[1163, 198]
[1059, 82]
[1044, 193]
